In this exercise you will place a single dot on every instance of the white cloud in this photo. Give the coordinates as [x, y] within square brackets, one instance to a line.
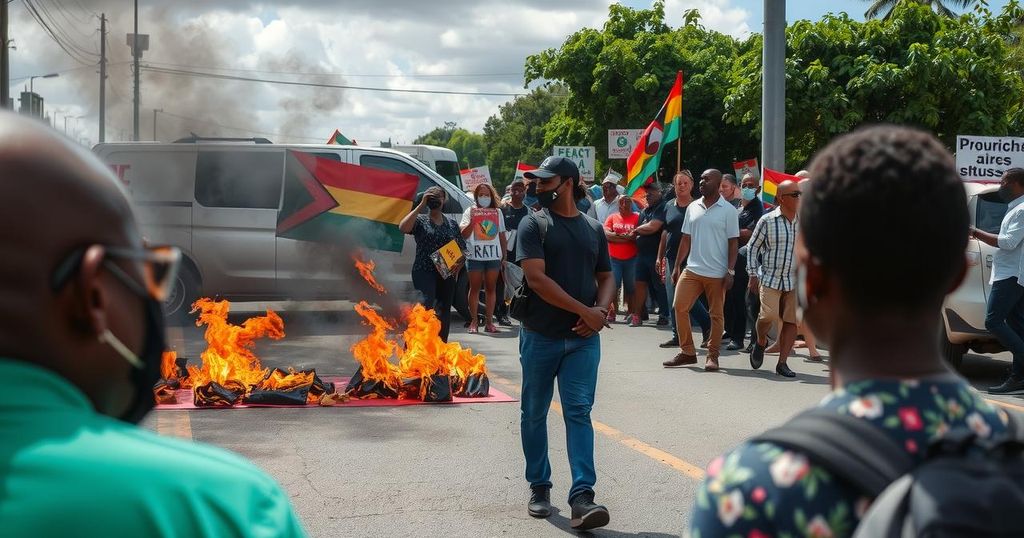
[718, 15]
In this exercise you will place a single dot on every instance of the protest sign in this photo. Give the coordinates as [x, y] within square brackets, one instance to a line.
[985, 158]
[472, 177]
[583, 156]
[622, 141]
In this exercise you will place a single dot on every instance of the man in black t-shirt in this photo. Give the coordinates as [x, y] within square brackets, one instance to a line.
[566, 264]
[648, 239]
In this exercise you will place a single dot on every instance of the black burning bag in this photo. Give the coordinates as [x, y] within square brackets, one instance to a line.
[476, 386]
[214, 394]
[365, 389]
[296, 396]
[165, 391]
[436, 388]
[410, 389]
[320, 387]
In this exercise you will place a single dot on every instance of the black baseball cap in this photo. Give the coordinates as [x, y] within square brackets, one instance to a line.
[554, 166]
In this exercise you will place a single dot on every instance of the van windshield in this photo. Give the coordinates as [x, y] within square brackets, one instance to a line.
[991, 209]
[450, 171]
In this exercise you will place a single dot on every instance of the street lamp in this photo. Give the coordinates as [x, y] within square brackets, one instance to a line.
[32, 91]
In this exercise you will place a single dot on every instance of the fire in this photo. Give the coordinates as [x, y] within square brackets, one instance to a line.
[366, 269]
[229, 355]
[279, 380]
[169, 365]
[374, 351]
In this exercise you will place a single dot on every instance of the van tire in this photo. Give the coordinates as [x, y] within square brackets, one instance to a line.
[952, 353]
[183, 294]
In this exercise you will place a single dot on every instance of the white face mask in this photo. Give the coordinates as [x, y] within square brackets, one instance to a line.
[484, 201]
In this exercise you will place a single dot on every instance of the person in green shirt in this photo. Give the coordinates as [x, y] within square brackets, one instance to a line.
[81, 334]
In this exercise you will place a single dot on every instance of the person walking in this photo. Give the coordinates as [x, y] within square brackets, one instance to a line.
[619, 229]
[648, 242]
[1005, 316]
[771, 257]
[880, 323]
[433, 230]
[564, 254]
[671, 237]
[487, 245]
[709, 245]
[736, 298]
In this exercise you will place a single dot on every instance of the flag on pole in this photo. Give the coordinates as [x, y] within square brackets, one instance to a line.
[339, 139]
[522, 168]
[665, 128]
[770, 184]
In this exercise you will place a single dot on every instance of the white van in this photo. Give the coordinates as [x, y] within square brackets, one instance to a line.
[442, 160]
[218, 201]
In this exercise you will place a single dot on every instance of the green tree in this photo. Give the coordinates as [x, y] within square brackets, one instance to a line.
[946, 75]
[619, 76]
[879, 6]
[469, 147]
[517, 132]
[439, 136]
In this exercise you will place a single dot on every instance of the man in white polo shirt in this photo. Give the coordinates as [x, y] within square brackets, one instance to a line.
[709, 245]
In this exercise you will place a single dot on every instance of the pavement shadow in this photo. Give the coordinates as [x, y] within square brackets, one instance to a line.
[767, 373]
[561, 522]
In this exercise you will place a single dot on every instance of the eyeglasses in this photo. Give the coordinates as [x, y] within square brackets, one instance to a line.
[159, 269]
[796, 194]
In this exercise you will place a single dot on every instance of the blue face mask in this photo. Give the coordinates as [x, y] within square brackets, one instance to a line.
[748, 193]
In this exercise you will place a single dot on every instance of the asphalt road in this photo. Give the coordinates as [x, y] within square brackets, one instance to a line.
[457, 470]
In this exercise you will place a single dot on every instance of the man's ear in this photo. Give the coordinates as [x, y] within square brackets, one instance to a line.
[92, 298]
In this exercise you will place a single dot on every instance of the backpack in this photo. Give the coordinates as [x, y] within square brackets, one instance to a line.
[519, 306]
[965, 487]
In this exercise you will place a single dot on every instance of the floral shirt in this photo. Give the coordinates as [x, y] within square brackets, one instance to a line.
[761, 490]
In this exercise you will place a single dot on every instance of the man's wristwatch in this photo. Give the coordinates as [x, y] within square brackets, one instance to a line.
[732, 272]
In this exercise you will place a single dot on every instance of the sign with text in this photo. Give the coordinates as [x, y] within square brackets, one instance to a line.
[475, 176]
[985, 158]
[748, 166]
[622, 141]
[583, 156]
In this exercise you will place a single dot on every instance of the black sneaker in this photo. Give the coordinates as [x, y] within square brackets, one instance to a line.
[1012, 385]
[673, 342]
[540, 502]
[784, 371]
[756, 356]
[662, 322]
[585, 514]
[504, 321]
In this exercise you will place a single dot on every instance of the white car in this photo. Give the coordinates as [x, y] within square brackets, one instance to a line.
[963, 315]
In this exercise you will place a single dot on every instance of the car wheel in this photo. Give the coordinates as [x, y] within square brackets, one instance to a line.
[952, 353]
[184, 292]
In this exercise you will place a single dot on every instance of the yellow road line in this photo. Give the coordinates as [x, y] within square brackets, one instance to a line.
[1005, 404]
[655, 454]
[174, 424]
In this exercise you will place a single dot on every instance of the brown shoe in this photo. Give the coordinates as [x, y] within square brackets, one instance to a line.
[711, 365]
[681, 359]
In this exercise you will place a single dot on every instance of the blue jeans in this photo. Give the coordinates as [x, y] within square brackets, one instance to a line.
[624, 272]
[573, 363]
[1005, 319]
[699, 315]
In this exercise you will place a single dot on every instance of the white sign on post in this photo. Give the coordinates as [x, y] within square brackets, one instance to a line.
[473, 177]
[622, 141]
[583, 156]
[985, 158]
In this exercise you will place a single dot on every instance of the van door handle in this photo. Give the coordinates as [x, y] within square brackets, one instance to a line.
[988, 261]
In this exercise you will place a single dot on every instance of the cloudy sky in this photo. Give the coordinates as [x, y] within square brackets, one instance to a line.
[471, 46]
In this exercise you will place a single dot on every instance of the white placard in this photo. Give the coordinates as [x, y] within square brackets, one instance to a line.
[985, 158]
[473, 177]
[622, 141]
[583, 156]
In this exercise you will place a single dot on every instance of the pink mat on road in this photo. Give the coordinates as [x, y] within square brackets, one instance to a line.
[496, 396]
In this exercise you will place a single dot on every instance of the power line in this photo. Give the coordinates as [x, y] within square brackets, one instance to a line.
[182, 72]
[243, 129]
[69, 70]
[62, 31]
[351, 75]
[75, 54]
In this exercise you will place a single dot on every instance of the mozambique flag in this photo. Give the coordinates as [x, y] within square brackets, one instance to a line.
[330, 201]
[770, 184]
[646, 156]
[339, 139]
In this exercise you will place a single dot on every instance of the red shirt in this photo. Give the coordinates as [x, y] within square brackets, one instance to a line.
[619, 224]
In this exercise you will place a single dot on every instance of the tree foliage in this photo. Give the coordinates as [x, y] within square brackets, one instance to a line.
[518, 132]
[469, 146]
[886, 6]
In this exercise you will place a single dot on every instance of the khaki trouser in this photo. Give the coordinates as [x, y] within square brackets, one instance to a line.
[776, 306]
[688, 289]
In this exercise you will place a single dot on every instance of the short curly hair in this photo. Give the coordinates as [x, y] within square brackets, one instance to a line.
[887, 214]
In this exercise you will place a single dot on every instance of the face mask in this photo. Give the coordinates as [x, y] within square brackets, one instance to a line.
[547, 198]
[146, 371]
[748, 193]
[1005, 194]
[434, 203]
[484, 201]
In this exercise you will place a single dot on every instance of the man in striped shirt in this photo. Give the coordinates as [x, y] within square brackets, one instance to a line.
[771, 256]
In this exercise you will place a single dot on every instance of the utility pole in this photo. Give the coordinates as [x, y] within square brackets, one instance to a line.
[5, 63]
[155, 110]
[103, 77]
[135, 54]
[773, 89]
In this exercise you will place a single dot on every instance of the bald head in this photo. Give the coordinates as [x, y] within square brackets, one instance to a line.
[788, 197]
[710, 183]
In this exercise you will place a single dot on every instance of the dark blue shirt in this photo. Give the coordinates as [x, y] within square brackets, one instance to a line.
[647, 245]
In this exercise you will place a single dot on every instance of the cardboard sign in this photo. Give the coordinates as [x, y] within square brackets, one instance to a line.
[985, 158]
[447, 258]
[583, 156]
[473, 177]
[743, 168]
[622, 141]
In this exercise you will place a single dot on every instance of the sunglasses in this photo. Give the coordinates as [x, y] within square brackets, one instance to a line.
[159, 269]
[796, 194]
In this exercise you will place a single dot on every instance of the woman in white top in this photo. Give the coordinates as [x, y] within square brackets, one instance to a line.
[483, 226]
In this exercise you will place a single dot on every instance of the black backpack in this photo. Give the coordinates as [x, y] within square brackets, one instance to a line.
[519, 306]
[965, 487]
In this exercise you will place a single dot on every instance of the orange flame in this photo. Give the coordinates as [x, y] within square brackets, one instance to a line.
[169, 365]
[366, 269]
[229, 355]
[374, 351]
[278, 380]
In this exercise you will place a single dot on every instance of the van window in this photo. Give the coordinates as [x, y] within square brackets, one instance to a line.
[244, 179]
[991, 209]
[450, 171]
[395, 165]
